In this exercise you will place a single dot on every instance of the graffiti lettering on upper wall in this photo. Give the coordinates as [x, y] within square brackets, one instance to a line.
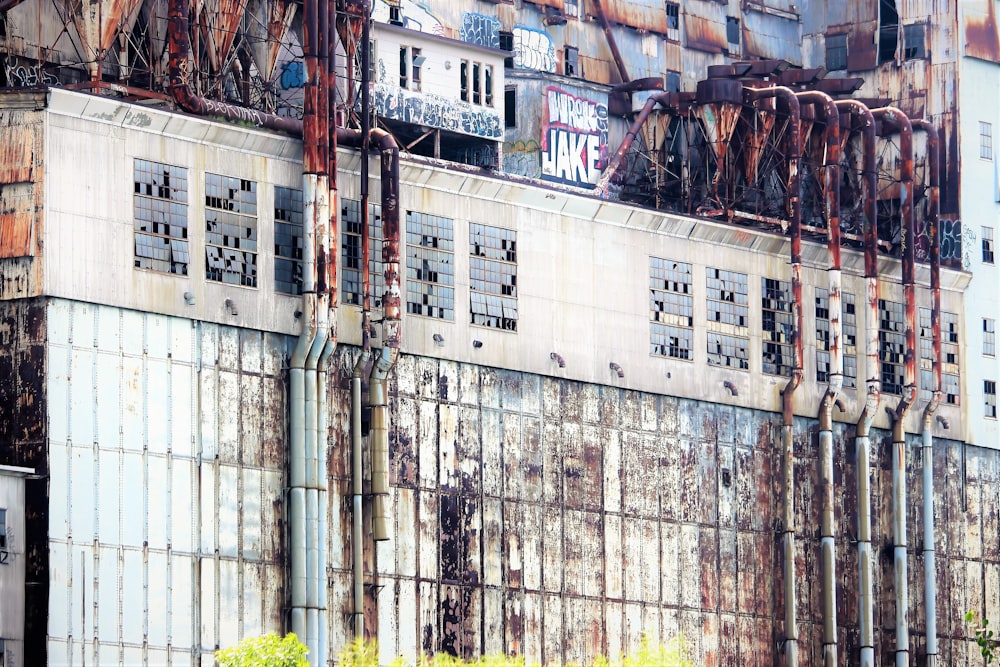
[414, 14]
[24, 73]
[481, 29]
[437, 111]
[574, 138]
[533, 49]
[523, 158]
[293, 74]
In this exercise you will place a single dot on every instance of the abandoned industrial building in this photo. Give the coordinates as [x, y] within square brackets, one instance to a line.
[497, 326]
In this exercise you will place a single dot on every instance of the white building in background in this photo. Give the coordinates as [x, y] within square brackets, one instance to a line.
[12, 565]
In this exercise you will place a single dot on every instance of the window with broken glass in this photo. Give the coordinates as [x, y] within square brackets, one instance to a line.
[231, 230]
[493, 276]
[949, 357]
[913, 41]
[987, 242]
[352, 289]
[288, 240]
[726, 296]
[776, 322]
[430, 265]
[990, 398]
[989, 337]
[160, 203]
[673, 10]
[671, 309]
[848, 339]
[892, 345]
[836, 52]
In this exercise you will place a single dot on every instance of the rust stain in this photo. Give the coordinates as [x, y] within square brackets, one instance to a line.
[704, 34]
[981, 39]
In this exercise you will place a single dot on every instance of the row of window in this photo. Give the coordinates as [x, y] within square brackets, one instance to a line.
[671, 304]
[161, 244]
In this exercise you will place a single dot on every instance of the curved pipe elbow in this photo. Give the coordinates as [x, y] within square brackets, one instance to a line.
[930, 410]
[787, 406]
[872, 400]
[304, 345]
[830, 398]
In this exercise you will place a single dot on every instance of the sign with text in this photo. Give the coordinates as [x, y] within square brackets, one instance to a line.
[574, 138]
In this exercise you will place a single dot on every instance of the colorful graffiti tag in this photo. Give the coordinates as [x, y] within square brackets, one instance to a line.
[414, 15]
[481, 29]
[437, 111]
[574, 138]
[533, 49]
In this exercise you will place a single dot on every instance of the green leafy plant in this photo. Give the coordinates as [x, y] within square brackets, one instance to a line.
[268, 650]
[988, 646]
[675, 653]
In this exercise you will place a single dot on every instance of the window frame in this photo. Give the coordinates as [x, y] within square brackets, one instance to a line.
[175, 203]
[985, 140]
[838, 50]
[988, 246]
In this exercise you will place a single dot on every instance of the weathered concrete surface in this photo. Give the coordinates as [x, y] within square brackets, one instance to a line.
[562, 520]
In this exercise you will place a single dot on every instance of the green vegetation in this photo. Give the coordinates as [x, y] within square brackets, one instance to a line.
[674, 653]
[988, 646]
[269, 650]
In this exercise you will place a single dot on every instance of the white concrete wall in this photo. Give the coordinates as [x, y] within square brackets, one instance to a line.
[166, 489]
[979, 100]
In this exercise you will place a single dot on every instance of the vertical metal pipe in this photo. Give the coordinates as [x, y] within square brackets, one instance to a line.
[612, 44]
[365, 147]
[930, 410]
[827, 111]
[602, 189]
[864, 122]
[357, 547]
[787, 405]
[898, 122]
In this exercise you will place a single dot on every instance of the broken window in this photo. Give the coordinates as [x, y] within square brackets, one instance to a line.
[3, 528]
[352, 288]
[507, 44]
[493, 276]
[288, 240]
[985, 140]
[836, 52]
[892, 345]
[776, 322]
[673, 82]
[510, 106]
[673, 21]
[733, 34]
[231, 230]
[727, 299]
[989, 337]
[571, 64]
[571, 8]
[913, 41]
[160, 196]
[430, 265]
[671, 309]
[949, 358]
[987, 245]
[926, 355]
[410, 61]
[990, 398]
[888, 31]
[848, 340]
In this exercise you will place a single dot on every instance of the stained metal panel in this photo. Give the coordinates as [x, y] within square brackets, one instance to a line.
[770, 37]
[228, 510]
[980, 25]
[646, 15]
[157, 489]
[181, 506]
[706, 33]
[231, 598]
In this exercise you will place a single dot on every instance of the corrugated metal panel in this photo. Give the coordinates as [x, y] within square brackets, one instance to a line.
[21, 137]
[706, 34]
[641, 14]
[770, 37]
[980, 25]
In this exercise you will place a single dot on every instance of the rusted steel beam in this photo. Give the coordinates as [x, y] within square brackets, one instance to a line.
[826, 109]
[895, 121]
[612, 44]
[798, 77]
[754, 96]
[602, 189]
[179, 46]
[121, 89]
[927, 451]
[649, 83]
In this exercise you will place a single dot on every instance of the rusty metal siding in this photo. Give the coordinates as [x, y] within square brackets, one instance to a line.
[771, 37]
[641, 14]
[166, 519]
[21, 159]
[706, 33]
[979, 27]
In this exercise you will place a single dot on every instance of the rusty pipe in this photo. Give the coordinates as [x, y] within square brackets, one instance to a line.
[754, 96]
[179, 47]
[927, 442]
[612, 44]
[602, 189]
[895, 121]
[863, 121]
[827, 111]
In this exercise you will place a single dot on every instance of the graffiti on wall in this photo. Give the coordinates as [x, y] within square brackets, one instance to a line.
[533, 49]
[24, 73]
[481, 29]
[523, 158]
[574, 138]
[955, 242]
[437, 111]
[414, 15]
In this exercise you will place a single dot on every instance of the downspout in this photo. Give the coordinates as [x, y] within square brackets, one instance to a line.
[863, 119]
[378, 388]
[603, 185]
[895, 117]
[357, 489]
[827, 109]
[927, 425]
[179, 46]
[753, 96]
[612, 44]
